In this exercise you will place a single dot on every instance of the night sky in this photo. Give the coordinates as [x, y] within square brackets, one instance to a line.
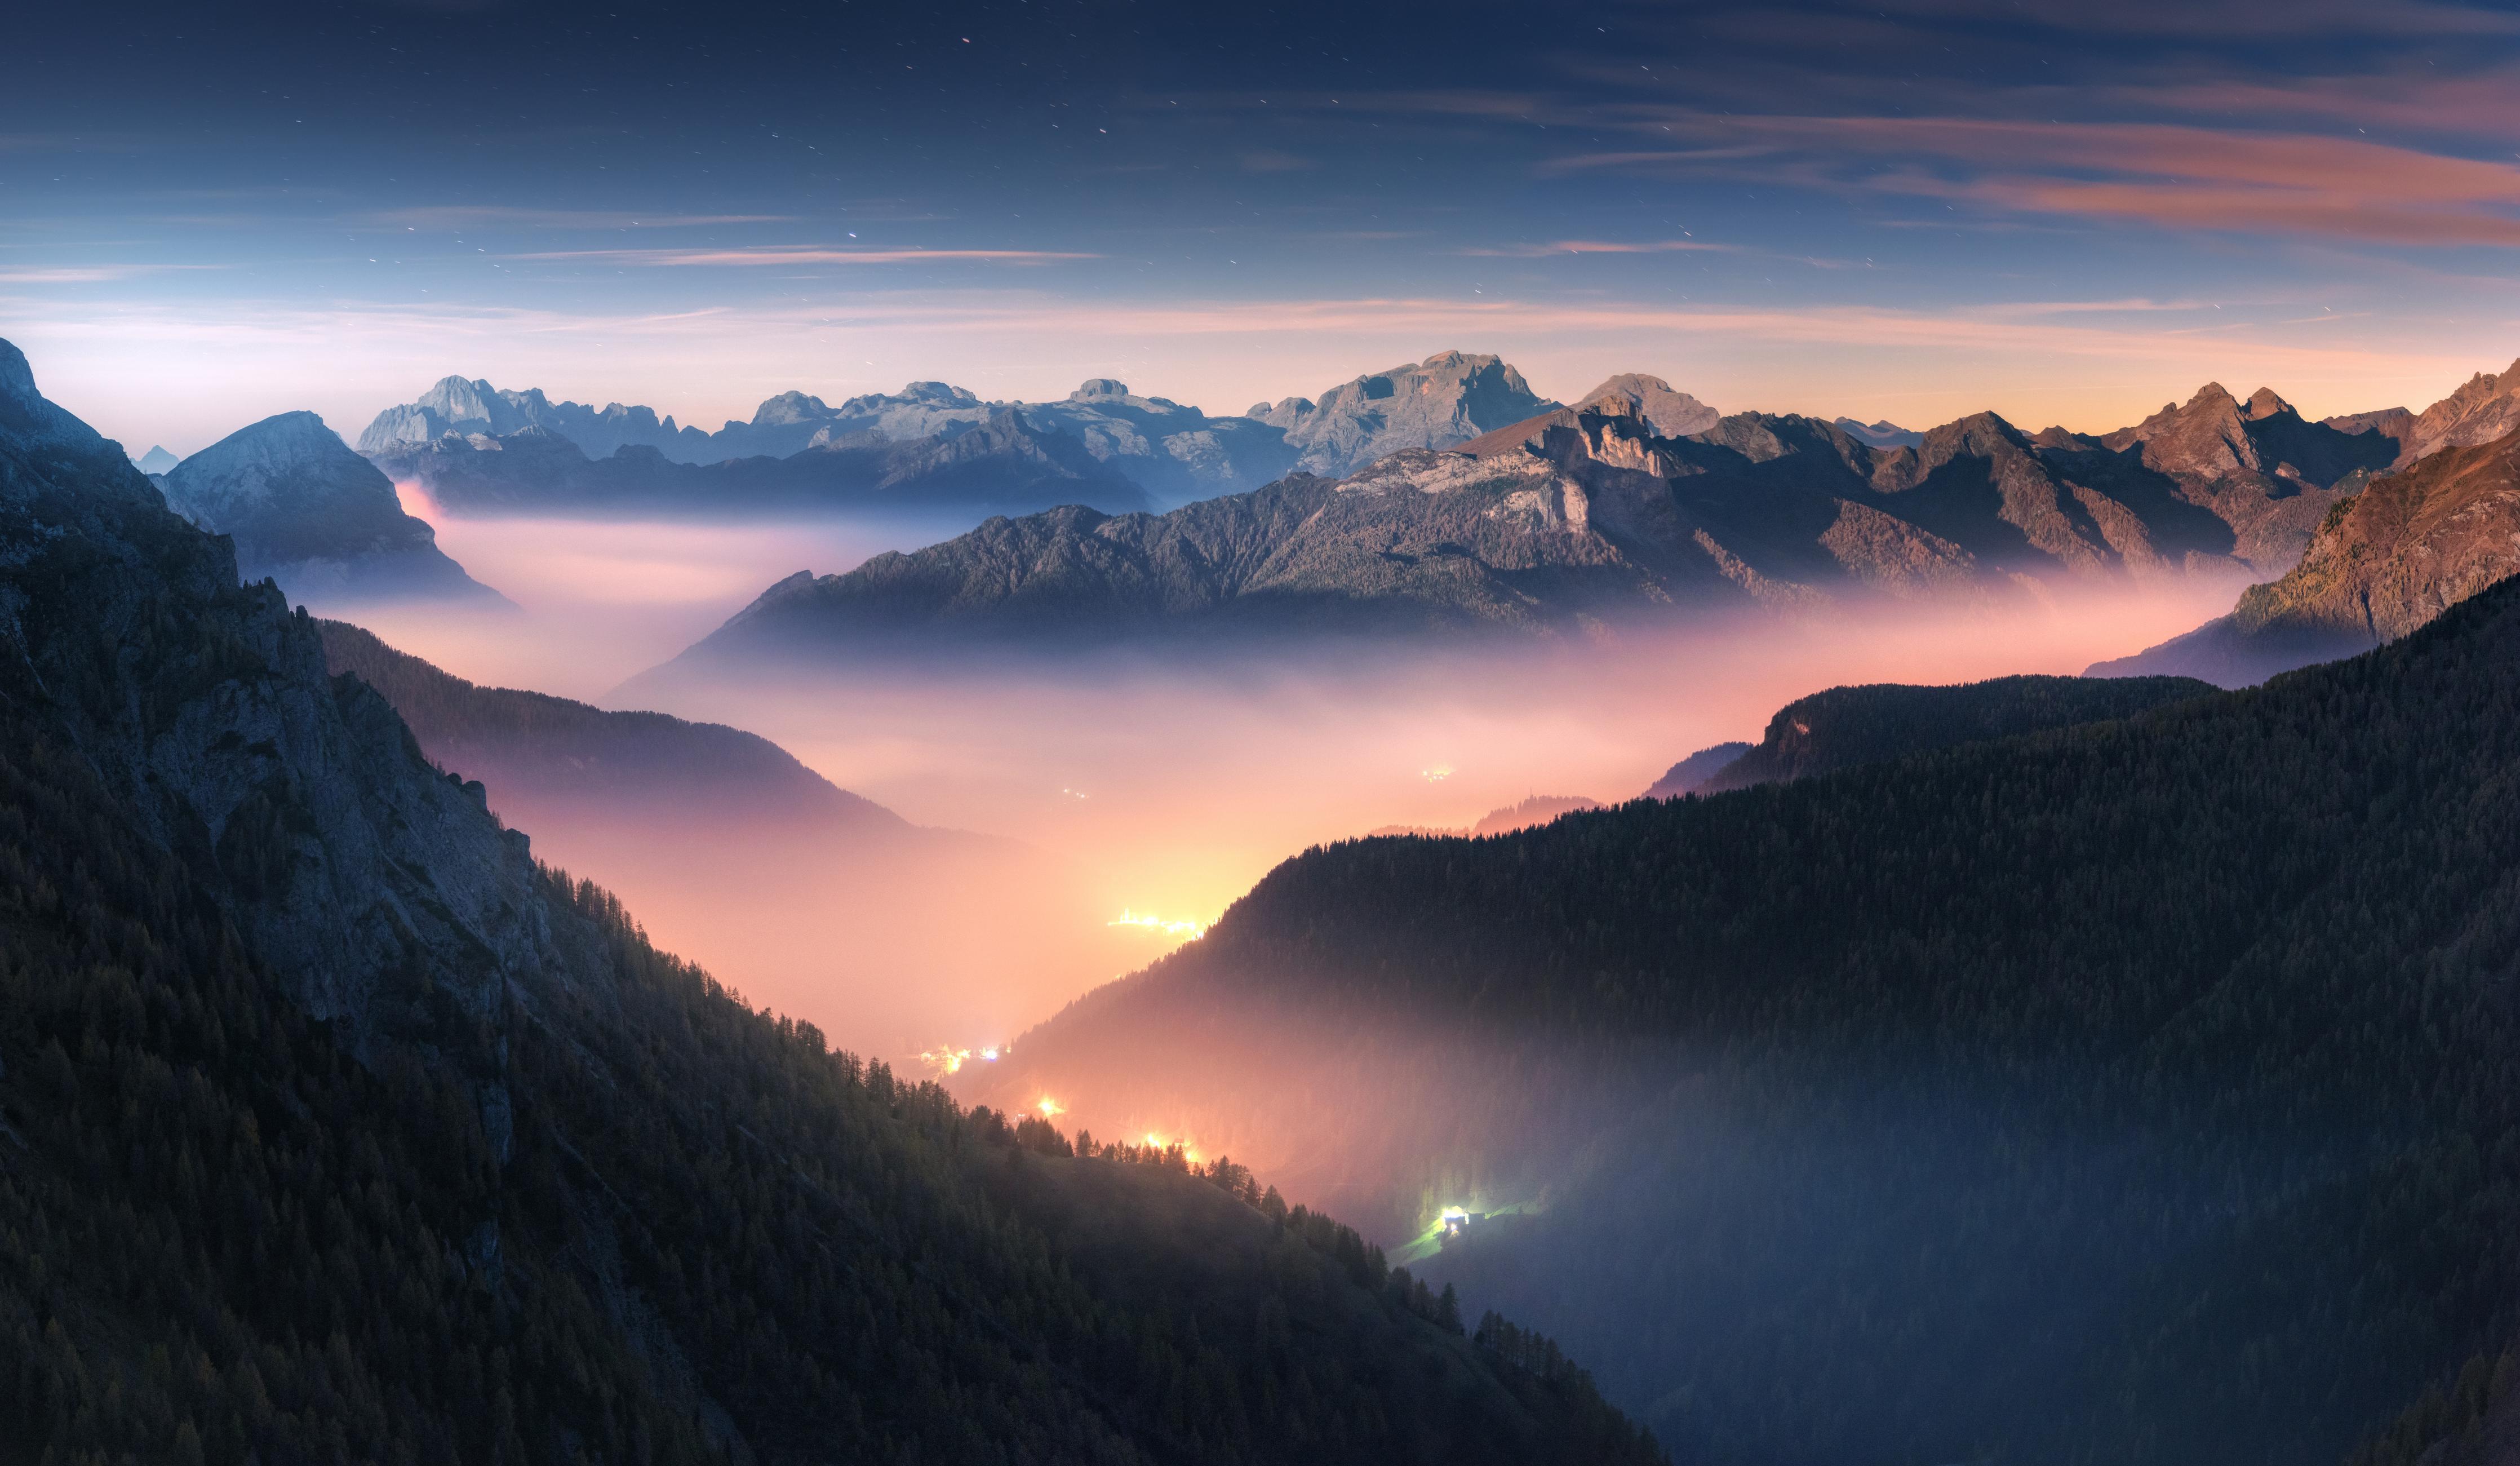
[2066, 211]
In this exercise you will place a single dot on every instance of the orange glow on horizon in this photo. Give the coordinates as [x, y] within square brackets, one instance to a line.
[1187, 931]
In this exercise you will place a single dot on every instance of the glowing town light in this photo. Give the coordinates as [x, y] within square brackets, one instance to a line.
[989, 1054]
[1436, 774]
[1049, 1108]
[945, 1061]
[1187, 931]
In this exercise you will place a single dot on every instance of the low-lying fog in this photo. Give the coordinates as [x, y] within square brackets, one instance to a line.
[1171, 792]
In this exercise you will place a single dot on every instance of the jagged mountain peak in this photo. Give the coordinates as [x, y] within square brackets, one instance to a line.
[2213, 396]
[1652, 402]
[251, 464]
[2483, 409]
[1096, 388]
[306, 511]
[2263, 403]
[789, 407]
[17, 377]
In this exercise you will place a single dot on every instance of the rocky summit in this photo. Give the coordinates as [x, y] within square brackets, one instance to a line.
[305, 511]
[1449, 399]
[2383, 563]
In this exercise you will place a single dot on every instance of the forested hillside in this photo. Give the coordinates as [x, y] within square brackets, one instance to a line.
[336, 1130]
[531, 744]
[2132, 1092]
[1847, 726]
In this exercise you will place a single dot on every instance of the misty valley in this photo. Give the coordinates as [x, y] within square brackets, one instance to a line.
[1605, 933]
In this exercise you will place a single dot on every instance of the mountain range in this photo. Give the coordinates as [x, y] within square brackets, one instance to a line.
[2382, 563]
[1107, 445]
[338, 1127]
[1008, 461]
[1576, 519]
[317, 517]
[2130, 1091]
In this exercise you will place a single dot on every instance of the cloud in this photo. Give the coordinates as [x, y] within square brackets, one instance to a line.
[88, 274]
[476, 215]
[2292, 21]
[1606, 246]
[797, 255]
[2169, 175]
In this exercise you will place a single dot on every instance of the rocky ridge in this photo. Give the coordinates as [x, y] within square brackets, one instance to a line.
[313, 515]
[2384, 561]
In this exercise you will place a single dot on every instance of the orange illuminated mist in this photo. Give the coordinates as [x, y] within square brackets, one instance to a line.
[1111, 813]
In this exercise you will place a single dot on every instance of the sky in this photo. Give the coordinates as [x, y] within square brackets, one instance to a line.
[2066, 212]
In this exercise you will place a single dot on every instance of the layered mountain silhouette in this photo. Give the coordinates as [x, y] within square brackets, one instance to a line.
[739, 856]
[155, 460]
[1107, 446]
[1010, 461]
[1537, 809]
[384, 1140]
[2486, 407]
[1881, 434]
[2262, 468]
[469, 407]
[1691, 774]
[2383, 563]
[2131, 1091]
[1576, 519]
[315, 517]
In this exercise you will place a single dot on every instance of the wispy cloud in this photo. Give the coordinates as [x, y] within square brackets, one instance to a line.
[2174, 175]
[802, 255]
[1606, 247]
[88, 274]
[488, 215]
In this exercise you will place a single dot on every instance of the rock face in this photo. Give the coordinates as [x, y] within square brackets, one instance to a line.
[467, 406]
[2393, 423]
[385, 890]
[320, 519]
[2385, 562]
[1567, 523]
[2258, 466]
[1650, 401]
[2486, 407]
[1420, 541]
[1449, 399]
